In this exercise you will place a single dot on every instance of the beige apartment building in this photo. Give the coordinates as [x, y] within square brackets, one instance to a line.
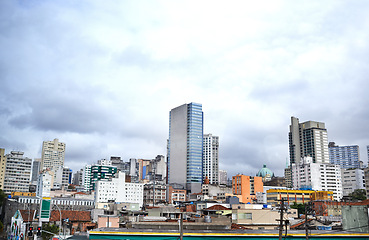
[53, 154]
[255, 217]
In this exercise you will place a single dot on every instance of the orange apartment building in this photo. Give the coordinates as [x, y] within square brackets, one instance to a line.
[245, 187]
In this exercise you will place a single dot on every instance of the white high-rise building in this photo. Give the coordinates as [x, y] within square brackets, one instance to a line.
[352, 179]
[210, 163]
[44, 184]
[53, 154]
[308, 139]
[118, 190]
[317, 176]
[87, 178]
[17, 175]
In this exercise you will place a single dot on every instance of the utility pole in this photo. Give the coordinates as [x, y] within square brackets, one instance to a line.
[308, 210]
[281, 210]
[181, 227]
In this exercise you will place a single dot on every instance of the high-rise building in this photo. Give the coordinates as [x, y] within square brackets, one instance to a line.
[345, 156]
[87, 176]
[36, 168]
[308, 139]
[63, 176]
[223, 177]
[78, 178]
[101, 172]
[53, 154]
[367, 151]
[2, 167]
[211, 158]
[17, 172]
[307, 175]
[185, 146]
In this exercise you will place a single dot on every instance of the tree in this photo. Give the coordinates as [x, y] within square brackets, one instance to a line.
[3, 196]
[49, 228]
[358, 195]
[300, 208]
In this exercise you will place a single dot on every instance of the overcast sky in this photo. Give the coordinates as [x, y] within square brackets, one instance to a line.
[102, 76]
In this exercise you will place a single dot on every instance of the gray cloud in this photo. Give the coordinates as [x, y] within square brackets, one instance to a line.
[103, 77]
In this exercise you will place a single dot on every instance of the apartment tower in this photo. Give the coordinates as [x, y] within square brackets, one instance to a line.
[211, 158]
[345, 156]
[308, 139]
[53, 154]
[17, 172]
[185, 146]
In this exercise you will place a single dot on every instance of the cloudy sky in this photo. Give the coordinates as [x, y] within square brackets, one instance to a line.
[102, 76]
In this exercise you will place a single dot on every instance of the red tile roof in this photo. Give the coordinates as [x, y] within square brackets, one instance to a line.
[74, 216]
[27, 215]
[217, 207]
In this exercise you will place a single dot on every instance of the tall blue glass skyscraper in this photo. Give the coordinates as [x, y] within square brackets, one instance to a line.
[185, 144]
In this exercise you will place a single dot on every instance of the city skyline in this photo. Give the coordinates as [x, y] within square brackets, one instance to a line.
[101, 77]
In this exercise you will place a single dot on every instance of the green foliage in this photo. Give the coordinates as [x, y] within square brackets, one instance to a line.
[3, 196]
[358, 195]
[300, 208]
[1, 227]
[50, 228]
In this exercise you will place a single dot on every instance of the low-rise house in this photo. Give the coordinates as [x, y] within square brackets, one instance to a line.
[72, 221]
[256, 217]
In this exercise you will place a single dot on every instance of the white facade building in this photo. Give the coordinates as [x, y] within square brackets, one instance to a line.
[352, 179]
[317, 176]
[44, 184]
[17, 175]
[62, 176]
[210, 164]
[118, 190]
[86, 179]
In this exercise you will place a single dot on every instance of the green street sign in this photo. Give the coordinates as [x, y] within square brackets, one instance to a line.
[45, 209]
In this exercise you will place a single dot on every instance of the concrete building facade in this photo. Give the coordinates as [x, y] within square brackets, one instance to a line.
[223, 178]
[308, 139]
[53, 154]
[345, 156]
[185, 146]
[44, 184]
[352, 179]
[63, 176]
[36, 169]
[211, 158]
[17, 176]
[118, 190]
[308, 175]
[246, 187]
